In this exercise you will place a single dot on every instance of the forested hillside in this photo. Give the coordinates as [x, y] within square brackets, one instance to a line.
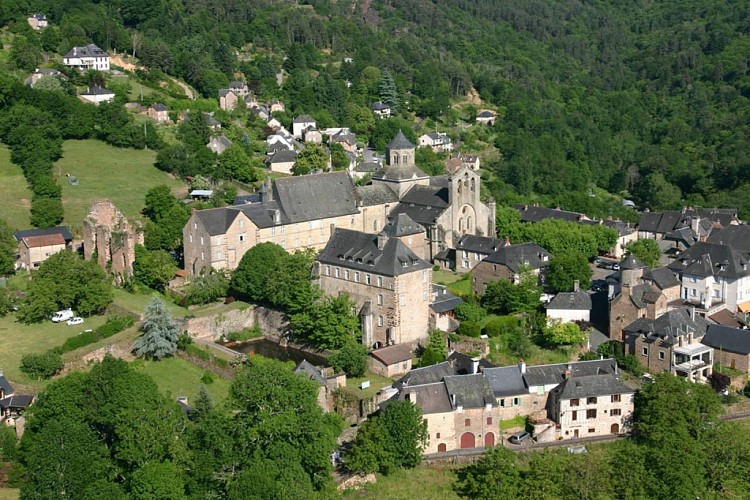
[641, 98]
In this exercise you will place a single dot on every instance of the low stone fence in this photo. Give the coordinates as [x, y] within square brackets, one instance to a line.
[215, 326]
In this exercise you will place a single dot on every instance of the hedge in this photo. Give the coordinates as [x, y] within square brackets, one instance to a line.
[115, 324]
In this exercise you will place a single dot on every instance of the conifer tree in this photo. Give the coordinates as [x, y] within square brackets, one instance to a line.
[160, 331]
[388, 91]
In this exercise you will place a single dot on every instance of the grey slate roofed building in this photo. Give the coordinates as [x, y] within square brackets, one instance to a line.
[17, 402]
[431, 397]
[591, 386]
[5, 388]
[517, 256]
[478, 244]
[311, 372]
[578, 300]
[282, 155]
[369, 253]
[531, 213]
[376, 194]
[426, 375]
[545, 375]
[711, 259]
[506, 381]
[444, 300]
[316, 196]
[400, 142]
[661, 223]
[470, 391]
[670, 325]
[724, 338]
[737, 237]
[402, 225]
[662, 277]
[61, 230]
[89, 50]
[631, 262]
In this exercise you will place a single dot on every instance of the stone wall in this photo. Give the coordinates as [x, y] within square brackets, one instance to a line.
[108, 233]
[271, 322]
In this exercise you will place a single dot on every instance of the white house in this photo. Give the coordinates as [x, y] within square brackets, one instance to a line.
[570, 306]
[381, 109]
[97, 94]
[38, 21]
[218, 144]
[300, 124]
[87, 57]
[438, 141]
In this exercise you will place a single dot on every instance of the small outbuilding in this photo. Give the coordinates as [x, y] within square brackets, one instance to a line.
[391, 361]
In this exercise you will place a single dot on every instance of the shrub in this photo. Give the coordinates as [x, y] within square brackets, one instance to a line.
[207, 378]
[352, 359]
[470, 311]
[183, 341]
[115, 324]
[196, 351]
[41, 366]
[246, 334]
[470, 329]
[8, 448]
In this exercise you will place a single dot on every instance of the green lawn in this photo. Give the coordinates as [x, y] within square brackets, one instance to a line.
[178, 377]
[376, 383]
[136, 302]
[9, 494]
[458, 284]
[18, 339]
[423, 482]
[15, 192]
[105, 172]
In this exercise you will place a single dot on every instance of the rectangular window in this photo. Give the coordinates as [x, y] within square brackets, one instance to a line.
[283, 230]
[573, 402]
[202, 256]
[424, 295]
[516, 401]
[218, 255]
[437, 436]
[693, 279]
[615, 412]
[273, 231]
[644, 351]
[328, 270]
[693, 292]
[591, 413]
[337, 272]
[661, 355]
[380, 321]
[465, 264]
[424, 277]
[242, 222]
[201, 240]
[615, 398]
[242, 237]
[591, 431]
[195, 225]
[368, 279]
[346, 274]
[356, 277]
[467, 422]
[402, 299]
[466, 254]
[380, 281]
[191, 237]
[590, 401]
[717, 294]
[574, 416]
[380, 299]
[502, 403]
[489, 420]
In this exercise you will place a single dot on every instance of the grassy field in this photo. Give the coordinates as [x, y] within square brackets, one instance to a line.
[9, 494]
[105, 172]
[458, 284]
[15, 192]
[18, 339]
[423, 482]
[136, 302]
[376, 383]
[177, 377]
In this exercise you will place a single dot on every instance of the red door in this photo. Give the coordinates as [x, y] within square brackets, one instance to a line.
[489, 439]
[441, 448]
[467, 440]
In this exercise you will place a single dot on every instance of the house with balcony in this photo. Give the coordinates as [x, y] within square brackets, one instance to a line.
[87, 57]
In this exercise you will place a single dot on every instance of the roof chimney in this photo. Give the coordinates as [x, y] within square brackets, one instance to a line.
[576, 285]
[507, 242]
[567, 374]
[453, 400]
[474, 365]
[522, 366]
[382, 240]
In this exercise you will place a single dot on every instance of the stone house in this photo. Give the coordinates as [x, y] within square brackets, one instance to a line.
[87, 57]
[328, 382]
[391, 361]
[671, 343]
[293, 212]
[714, 276]
[507, 263]
[471, 250]
[592, 405]
[239, 88]
[346, 139]
[381, 109]
[300, 124]
[470, 161]
[158, 112]
[568, 307]
[438, 141]
[389, 283]
[731, 346]
[97, 95]
[442, 309]
[228, 99]
[626, 233]
[634, 298]
[656, 225]
[37, 21]
[275, 106]
[313, 135]
[36, 245]
[109, 235]
[282, 161]
[218, 144]
[38, 74]
[486, 117]
[5, 388]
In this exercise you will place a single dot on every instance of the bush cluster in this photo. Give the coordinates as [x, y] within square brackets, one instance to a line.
[42, 366]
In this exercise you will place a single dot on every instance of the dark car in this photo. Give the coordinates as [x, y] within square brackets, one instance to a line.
[519, 437]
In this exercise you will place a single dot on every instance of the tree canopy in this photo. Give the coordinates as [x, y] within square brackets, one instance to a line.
[159, 332]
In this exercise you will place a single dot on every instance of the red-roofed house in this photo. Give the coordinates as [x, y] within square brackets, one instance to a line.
[391, 361]
[36, 245]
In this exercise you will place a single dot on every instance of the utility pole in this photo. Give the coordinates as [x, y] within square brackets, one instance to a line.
[145, 145]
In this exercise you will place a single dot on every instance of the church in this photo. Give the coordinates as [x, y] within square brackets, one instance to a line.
[303, 211]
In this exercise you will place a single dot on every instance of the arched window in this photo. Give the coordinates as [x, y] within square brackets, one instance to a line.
[473, 186]
[395, 158]
[460, 224]
[375, 225]
[469, 223]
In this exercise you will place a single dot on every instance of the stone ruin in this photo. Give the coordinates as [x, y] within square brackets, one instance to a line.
[108, 233]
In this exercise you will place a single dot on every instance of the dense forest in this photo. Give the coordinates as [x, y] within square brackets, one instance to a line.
[645, 99]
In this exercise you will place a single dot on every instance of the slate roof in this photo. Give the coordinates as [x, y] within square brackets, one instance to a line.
[399, 172]
[684, 235]
[486, 114]
[310, 372]
[237, 85]
[467, 365]
[478, 244]
[590, 386]
[426, 375]
[246, 198]
[158, 107]
[725, 338]
[737, 237]
[5, 385]
[393, 354]
[662, 277]
[368, 166]
[217, 220]
[304, 119]
[431, 196]
[622, 228]
[89, 50]
[283, 156]
[226, 92]
[314, 197]
[664, 222]
[380, 106]
[17, 401]
[516, 256]
[711, 259]
[596, 338]
[670, 325]
[97, 90]
[506, 381]
[471, 391]
[400, 142]
[422, 214]
[571, 301]
[359, 251]
[444, 300]
[62, 230]
[402, 225]
[431, 398]
[530, 213]
[376, 194]
[555, 374]
[631, 262]
[643, 294]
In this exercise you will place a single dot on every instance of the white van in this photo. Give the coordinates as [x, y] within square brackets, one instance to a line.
[63, 315]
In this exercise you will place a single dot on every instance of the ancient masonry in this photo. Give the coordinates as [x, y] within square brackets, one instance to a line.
[108, 233]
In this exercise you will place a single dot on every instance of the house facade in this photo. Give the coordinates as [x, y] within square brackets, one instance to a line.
[381, 109]
[438, 141]
[300, 124]
[731, 346]
[97, 95]
[569, 307]
[391, 361]
[389, 283]
[507, 263]
[486, 117]
[38, 21]
[218, 144]
[87, 57]
[228, 99]
[37, 245]
[158, 112]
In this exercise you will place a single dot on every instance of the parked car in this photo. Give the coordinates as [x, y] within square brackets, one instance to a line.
[61, 316]
[75, 321]
[519, 437]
